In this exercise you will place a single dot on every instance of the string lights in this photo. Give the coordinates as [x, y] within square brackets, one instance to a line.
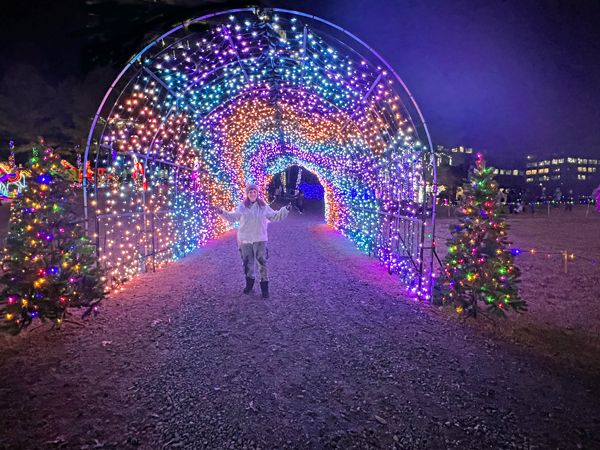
[204, 114]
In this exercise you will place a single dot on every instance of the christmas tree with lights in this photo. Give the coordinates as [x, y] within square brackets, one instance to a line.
[49, 263]
[479, 266]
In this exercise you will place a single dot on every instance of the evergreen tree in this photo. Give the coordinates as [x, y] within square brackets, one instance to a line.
[479, 266]
[49, 263]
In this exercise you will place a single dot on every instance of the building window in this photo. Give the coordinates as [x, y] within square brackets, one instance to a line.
[531, 164]
[594, 161]
[461, 149]
[580, 177]
[561, 161]
[557, 169]
[469, 150]
[582, 169]
[555, 161]
[533, 172]
[555, 177]
[544, 178]
[501, 171]
[515, 172]
[454, 150]
[591, 169]
[572, 160]
[528, 180]
[495, 171]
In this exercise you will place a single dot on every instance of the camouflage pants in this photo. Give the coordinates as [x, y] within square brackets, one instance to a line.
[256, 251]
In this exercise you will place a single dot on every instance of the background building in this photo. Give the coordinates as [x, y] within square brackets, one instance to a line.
[579, 174]
[531, 174]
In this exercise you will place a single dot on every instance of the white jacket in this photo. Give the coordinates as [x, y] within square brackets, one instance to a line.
[253, 221]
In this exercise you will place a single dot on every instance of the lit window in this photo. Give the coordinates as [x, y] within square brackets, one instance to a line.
[528, 172]
[557, 169]
[501, 172]
[571, 160]
[593, 161]
[469, 150]
[555, 161]
[454, 150]
[561, 161]
[580, 177]
[495, 171]
[528, 180]
[533, 172]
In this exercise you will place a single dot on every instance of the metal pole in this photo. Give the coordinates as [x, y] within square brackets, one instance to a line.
[144, 216]
[433, 211]
[422, 249]
[153, 248]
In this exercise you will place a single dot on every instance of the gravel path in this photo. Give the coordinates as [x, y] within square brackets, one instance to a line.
[337, 358]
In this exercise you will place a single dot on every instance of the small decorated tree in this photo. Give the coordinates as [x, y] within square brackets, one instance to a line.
[49, 264]
[479, 266]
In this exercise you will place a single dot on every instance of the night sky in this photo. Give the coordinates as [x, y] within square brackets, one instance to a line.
[511, 77]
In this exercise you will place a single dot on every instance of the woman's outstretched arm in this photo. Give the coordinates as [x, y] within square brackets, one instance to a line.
[230, 216]
[277, 216]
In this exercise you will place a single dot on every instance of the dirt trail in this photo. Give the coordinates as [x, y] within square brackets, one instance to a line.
[338, 357]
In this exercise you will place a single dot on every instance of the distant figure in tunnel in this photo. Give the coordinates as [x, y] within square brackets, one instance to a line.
[300, 201]
[253, 215]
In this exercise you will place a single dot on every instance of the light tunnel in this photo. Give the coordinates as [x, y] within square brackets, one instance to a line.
[234, 98]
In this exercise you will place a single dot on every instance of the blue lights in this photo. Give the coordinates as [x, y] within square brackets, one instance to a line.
[312, 191]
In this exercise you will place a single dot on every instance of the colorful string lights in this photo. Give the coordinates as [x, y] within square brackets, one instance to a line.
[204, 114]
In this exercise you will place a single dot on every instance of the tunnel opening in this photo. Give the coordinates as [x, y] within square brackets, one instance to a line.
[300, 187]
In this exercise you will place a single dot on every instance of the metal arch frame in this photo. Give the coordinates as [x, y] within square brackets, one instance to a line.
[285, 11]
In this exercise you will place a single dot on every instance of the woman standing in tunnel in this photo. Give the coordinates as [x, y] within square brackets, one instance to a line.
[253, 215]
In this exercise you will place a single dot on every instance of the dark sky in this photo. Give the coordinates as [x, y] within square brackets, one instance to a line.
[513, 77]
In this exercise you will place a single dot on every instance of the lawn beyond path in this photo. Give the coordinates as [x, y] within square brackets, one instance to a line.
[338, 357]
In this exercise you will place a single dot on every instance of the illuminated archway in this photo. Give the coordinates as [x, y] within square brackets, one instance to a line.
[197, 115]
